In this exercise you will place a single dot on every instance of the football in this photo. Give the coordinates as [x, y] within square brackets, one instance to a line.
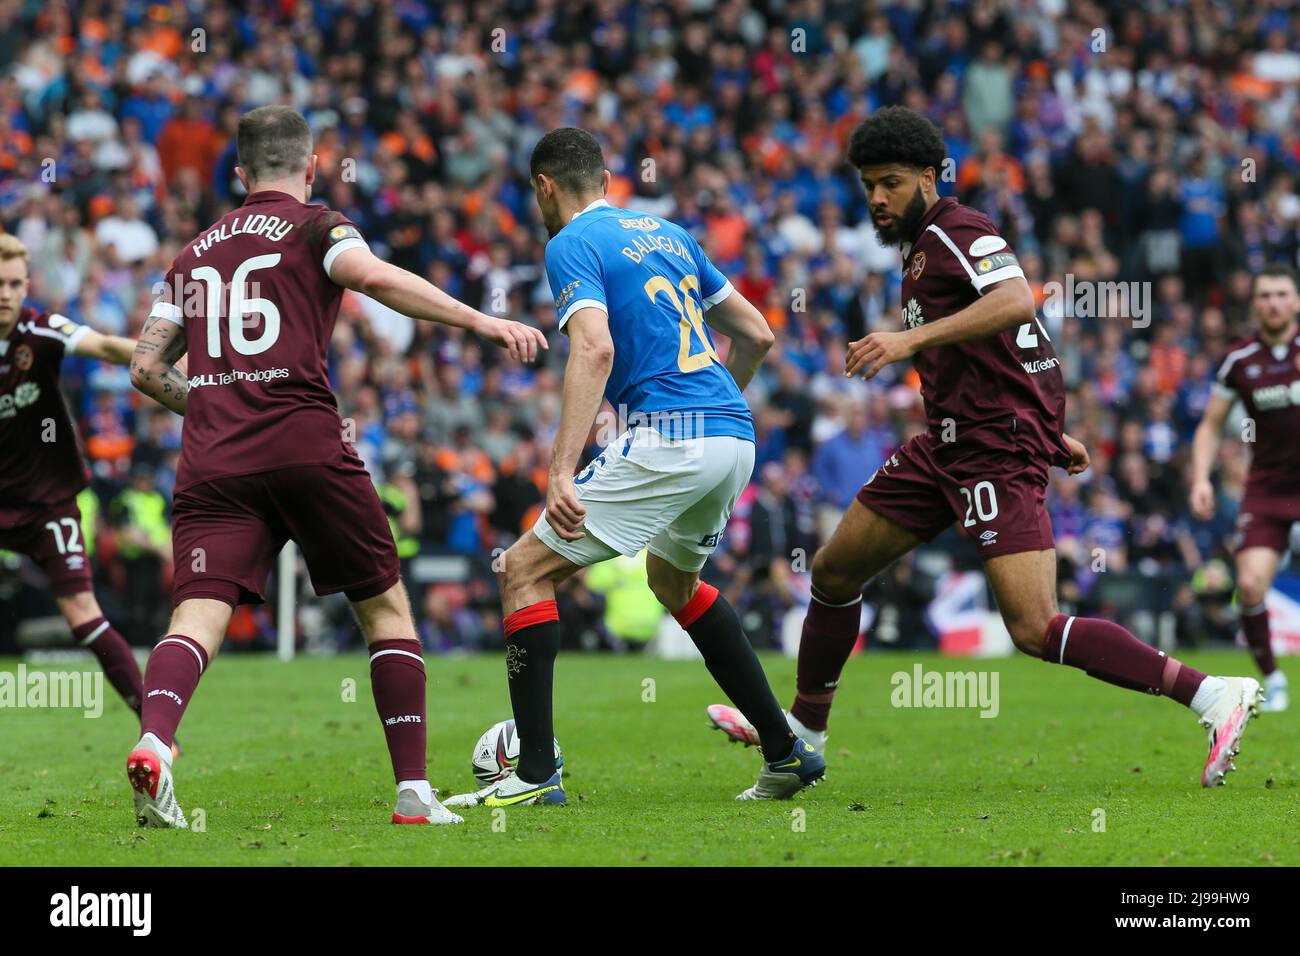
[496, 752]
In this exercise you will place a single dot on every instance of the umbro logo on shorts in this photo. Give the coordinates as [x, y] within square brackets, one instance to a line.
[988, 537]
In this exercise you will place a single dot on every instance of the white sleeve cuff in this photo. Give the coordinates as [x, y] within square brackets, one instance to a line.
[75, 338]
[169, 311]
[341, 247]
[718, 296]
[997, 275]
[582, 304]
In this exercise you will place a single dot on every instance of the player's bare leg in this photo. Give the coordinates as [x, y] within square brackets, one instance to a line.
[1256, 569]
[198, 626]
[863, 545]
[1025, 587]
[92, 630]
[397, 681]
[789, 763]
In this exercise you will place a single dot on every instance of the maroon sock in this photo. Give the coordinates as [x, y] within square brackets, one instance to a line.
[397, 681]
[1108, 652]
[114, 655]
[1254, 626]
[829, 632]
[171, 675]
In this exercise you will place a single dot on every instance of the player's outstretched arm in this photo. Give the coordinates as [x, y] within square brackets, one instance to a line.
[113, 349]
[362, 271]
[153, 364]
[591, 358]
[751, 337]
[1005, 305]
[1205, 448]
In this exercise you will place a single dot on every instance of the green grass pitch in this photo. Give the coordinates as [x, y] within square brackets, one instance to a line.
[288, 772]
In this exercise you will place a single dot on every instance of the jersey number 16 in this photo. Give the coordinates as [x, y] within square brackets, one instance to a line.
[240, 306]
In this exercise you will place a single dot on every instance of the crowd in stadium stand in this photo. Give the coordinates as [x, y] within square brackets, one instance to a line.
[1105, 140]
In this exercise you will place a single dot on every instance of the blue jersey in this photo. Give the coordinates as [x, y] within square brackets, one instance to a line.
[654, 282]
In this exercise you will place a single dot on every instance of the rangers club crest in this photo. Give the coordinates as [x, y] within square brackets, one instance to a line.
[918, 266]
[23, 357]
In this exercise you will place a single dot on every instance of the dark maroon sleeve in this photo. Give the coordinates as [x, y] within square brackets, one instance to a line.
[1226, 372]
[169, 302]
[980, 251]
[330, 233]
[52, 336]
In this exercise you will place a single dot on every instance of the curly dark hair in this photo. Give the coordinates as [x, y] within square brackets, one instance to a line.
[896, 134]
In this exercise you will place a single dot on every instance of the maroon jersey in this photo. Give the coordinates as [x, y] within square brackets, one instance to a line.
[40, 458]
[258, 306]
[1267, 380]
[1000, 393]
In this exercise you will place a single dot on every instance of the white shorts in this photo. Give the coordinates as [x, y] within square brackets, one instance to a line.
[647, 491]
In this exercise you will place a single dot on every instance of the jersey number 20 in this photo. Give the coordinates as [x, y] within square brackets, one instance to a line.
[691, 318]
[240, 306]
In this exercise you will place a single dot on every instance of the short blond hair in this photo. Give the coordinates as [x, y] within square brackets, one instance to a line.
[11, 247]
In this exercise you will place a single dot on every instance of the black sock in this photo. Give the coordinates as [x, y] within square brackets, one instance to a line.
[532, 643]
[712, 623]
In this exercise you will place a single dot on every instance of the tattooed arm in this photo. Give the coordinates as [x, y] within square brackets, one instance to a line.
[153, 366]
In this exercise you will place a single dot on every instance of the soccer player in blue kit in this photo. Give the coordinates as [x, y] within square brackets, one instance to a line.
[632, 292]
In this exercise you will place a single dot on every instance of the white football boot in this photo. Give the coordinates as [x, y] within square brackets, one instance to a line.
[411, 808]
[1276, 698]
[733, 723]
[510, 791]
[1225, 719]
[149, 770]
[782, 779]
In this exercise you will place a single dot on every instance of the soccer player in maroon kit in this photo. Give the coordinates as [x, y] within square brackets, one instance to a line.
[253, 301]
[41, 468]
[995, 402]
[1263, 371]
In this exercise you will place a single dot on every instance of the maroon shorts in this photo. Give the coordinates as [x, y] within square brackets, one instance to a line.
[52, 538]
[1265, 520]
[997, 498]
[227, 533]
